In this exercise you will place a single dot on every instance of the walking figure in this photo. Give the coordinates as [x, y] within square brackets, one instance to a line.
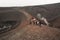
[42, 19]
[33, 21]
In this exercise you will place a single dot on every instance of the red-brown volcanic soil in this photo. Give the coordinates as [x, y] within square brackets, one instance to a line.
[32, 32]
[26, 31]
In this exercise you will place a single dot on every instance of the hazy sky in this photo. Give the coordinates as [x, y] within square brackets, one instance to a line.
[8, 3]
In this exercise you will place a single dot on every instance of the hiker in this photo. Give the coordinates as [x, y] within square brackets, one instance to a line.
[32, 20]
[42, 19]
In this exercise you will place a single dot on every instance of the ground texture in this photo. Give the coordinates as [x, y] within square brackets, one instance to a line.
[26, 31]
[32, 32]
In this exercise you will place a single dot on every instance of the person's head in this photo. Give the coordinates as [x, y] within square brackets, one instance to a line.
[39, 16]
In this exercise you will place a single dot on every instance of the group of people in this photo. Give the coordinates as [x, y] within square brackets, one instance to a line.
[40, 20]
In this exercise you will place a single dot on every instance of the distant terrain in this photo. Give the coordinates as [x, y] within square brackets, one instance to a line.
[26, 31]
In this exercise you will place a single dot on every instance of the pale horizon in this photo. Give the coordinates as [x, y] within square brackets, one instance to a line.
[21, 3]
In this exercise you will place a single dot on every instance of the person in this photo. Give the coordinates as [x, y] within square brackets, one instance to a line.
[34, 21]
[41, 18]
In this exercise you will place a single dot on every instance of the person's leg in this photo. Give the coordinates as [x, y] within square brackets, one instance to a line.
[44, 19]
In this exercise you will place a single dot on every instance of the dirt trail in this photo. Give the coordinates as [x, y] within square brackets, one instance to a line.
[34, 32]
[26, 31]
[26, 14]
